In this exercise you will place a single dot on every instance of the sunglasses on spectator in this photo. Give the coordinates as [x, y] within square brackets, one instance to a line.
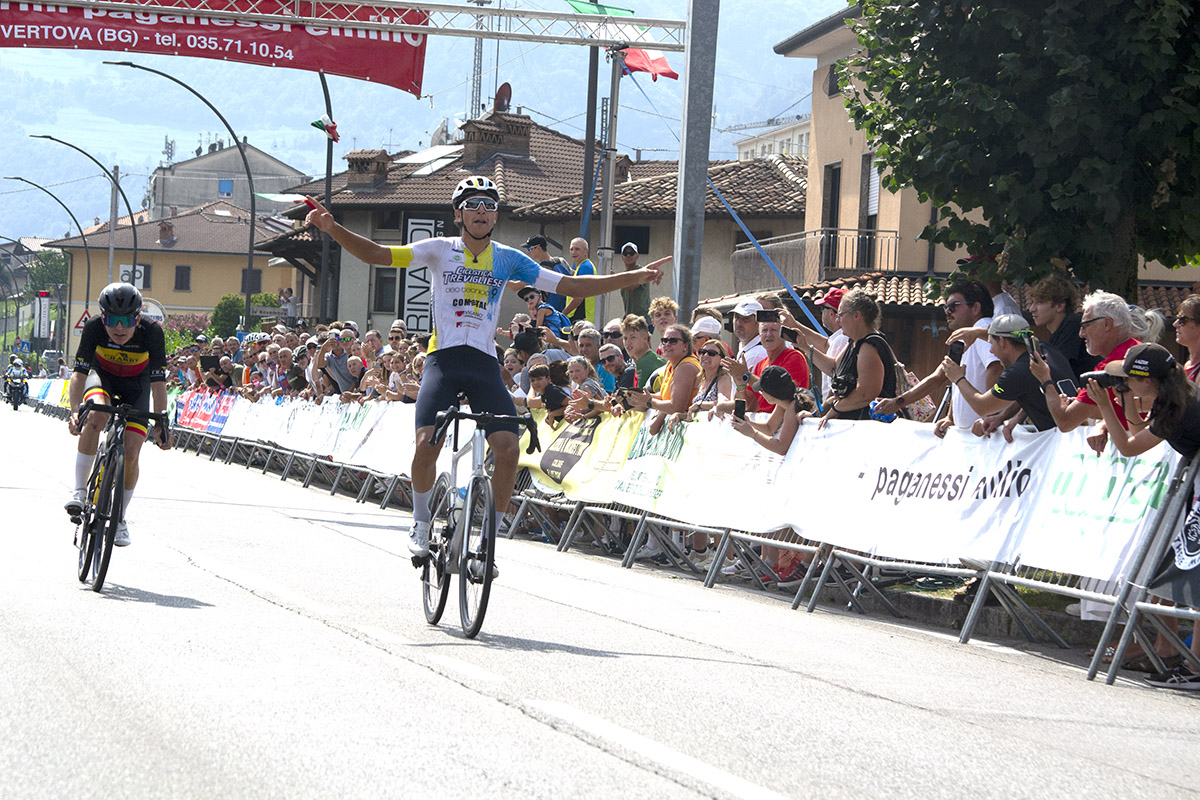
[612, 334]
[124, 320]
[1182, 320]
[949, 307]
[713, 353]
[347, 337]
[607, 359]
[397, 337]
[671, 340]
[479, 204]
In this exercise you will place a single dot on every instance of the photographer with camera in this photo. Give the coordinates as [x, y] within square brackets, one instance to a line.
[1159, 394]
[1011, 341]
[1109, 327]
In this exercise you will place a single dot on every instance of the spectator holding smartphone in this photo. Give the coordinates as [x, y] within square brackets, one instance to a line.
[1010, 339]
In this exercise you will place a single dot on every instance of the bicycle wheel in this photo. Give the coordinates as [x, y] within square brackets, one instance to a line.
[84, 536]
[477, 555]
[108, 515]
[435, 574]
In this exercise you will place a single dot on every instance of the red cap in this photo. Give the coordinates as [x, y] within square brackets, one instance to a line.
[832, 298]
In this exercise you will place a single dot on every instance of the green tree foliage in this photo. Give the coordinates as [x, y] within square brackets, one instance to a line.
[1071, 125]
[46, 273]
[231, 307]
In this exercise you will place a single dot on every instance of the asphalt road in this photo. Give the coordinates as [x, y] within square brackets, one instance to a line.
[259, 640]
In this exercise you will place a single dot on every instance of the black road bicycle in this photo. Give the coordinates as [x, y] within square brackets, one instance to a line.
[96, 525]
[462, 536]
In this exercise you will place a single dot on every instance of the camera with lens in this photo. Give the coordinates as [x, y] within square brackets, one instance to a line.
[1104, 379]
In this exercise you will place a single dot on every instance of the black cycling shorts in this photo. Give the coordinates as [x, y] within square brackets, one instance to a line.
[472, 372]
[110, 390]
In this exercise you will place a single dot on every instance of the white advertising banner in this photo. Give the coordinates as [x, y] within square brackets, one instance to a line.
[894, 490]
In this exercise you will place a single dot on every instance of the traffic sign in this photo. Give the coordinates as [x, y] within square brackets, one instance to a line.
[83, 318]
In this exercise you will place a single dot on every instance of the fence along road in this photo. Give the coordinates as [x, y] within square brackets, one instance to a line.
[260, 640]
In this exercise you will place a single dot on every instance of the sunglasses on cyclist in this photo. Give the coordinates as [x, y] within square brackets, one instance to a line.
[123, 320]
[479, 204]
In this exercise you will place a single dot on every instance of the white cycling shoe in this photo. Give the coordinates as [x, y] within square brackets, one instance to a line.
[74, 506]
[121, 538]
[418, 543]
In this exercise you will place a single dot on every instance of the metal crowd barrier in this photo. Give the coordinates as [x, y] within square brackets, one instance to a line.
[852, 573]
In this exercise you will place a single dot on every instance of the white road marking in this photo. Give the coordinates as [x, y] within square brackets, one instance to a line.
[657, 752]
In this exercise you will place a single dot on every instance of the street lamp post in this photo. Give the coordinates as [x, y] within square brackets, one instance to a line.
[116, 184]
[12, 288]
[87, 292]
[241, 150]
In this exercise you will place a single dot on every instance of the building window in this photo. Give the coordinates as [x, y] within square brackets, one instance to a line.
[183, 278]
[638, 234]
[386, 286]
[389, 220]
[831, 82]
[225, 187]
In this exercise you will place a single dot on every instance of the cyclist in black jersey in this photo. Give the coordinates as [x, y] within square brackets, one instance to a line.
[121, 358]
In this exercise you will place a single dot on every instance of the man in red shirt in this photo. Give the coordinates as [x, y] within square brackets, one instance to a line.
[1109, 328]
[778, 354]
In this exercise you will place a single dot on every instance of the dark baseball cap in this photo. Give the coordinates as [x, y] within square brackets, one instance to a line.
[535, 241]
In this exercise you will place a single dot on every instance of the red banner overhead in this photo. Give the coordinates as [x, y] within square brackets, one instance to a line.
[387, 57]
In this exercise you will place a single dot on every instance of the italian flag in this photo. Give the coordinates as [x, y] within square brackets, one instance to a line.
[636, 60]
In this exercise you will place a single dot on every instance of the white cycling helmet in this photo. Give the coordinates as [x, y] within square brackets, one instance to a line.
[472, 186]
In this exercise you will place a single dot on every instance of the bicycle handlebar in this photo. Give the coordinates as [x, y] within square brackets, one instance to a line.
[444, 418]
[129, 413]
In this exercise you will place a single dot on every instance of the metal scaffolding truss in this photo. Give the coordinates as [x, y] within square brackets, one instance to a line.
[440, 19]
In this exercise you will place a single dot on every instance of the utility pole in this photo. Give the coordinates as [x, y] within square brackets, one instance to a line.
[698, 72]
[112, 225]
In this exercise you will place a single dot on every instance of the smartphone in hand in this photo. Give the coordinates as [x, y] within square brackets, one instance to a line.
[739, 409]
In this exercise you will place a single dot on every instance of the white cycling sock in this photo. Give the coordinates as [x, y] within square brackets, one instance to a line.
[83, 467]
[421, 512]
[499, 519]
[125, 505]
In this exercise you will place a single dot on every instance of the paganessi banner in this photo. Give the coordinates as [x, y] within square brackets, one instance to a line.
[892, 490]
[393, 59]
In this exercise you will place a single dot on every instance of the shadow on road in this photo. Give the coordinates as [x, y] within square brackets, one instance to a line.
[519, 644]
[127, 594]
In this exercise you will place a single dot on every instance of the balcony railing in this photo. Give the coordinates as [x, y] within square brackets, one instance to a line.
[814, 256]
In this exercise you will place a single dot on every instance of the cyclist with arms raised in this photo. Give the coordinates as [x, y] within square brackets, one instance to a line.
[122, 358]
[468, 273]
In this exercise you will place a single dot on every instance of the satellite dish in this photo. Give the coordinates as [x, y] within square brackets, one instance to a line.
[503, 98]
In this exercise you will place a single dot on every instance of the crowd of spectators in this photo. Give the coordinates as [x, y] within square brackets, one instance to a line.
[996, 375]
[330, 361]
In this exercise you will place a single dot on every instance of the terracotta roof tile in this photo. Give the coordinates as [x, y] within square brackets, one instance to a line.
[890, 289]
[763, 187]
[553, 167]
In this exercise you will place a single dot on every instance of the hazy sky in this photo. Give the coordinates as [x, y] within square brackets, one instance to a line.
[122, 116]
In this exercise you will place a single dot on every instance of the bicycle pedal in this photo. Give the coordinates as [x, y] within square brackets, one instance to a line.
[419, 561]
[77, 520]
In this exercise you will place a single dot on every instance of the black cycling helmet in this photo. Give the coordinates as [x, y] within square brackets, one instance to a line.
[121, 299]
[12, 359]
[472, 186]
